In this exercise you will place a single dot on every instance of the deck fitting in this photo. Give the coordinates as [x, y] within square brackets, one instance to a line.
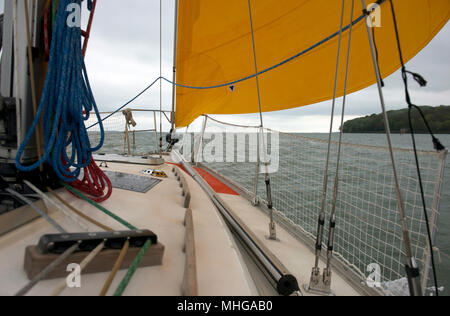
[320, 284]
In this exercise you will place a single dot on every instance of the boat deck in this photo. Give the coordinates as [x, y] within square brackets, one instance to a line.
[296, 256]
[220, 264]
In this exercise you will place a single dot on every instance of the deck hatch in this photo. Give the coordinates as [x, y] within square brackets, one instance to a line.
[132, 182]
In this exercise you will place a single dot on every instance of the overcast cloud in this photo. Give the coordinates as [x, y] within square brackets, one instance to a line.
[123, 58]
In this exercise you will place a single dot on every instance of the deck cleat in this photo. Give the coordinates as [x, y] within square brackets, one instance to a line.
[154, 173]
[272, 231]
[320, 284]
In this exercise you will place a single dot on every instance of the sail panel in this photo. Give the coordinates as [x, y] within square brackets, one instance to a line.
[214, 47]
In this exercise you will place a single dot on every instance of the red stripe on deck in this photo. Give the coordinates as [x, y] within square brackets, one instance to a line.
[215, 184]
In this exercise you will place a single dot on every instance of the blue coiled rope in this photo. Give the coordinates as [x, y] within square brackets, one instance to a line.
[66, 104]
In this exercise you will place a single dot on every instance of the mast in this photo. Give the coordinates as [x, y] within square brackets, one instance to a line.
[175, 39]
[15, 86]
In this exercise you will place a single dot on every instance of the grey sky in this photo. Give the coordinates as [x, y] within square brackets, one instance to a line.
[123, 58]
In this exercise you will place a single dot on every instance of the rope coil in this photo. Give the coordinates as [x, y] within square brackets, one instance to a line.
[66, 103]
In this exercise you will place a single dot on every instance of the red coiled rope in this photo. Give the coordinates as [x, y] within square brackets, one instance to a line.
[95, 183]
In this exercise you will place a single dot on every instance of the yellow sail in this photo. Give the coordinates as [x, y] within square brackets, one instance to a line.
[214, 47]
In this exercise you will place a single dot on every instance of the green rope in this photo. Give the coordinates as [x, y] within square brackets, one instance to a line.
[101, 208]
[135, 265]
[127, 278]
[54, 8]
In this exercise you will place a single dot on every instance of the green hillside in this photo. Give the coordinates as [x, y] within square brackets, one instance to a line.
[438, 118]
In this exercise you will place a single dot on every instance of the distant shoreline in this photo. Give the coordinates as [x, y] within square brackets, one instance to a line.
[437, 117]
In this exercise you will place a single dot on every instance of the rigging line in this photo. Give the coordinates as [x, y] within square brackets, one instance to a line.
[230, 124]
[62, 107]
[39, 129]
[416, 157]
[256, 65]
[127, 103]
[160, 82]
[16, 62]
[134, 266]
[33, 196]
[141, 254]
[116, 268]
[46, 5]
[33, 82]
[422, 82]
[99, 207]
[267, 177]
[412, 270]
[338, 163]
[89, 219]
[318, 44]
[321, 222]
[38, 210]
[378, 56]
[425, 211]
[44, 197]
[174, 70]
[83, 265]
[156, 129]
[121, 257]
[49, 269]
[174, 83]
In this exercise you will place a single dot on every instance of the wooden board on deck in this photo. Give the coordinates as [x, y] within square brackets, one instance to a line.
[35, 262]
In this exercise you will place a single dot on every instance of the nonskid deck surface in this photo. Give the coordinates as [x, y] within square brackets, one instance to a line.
[221, 263]
[296, 256]
[291, 252]
[160, 210]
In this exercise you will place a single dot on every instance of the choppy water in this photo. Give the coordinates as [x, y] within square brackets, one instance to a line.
[145, 143]
[443, 234]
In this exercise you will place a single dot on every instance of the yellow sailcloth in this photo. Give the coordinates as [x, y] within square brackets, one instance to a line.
[214, 47]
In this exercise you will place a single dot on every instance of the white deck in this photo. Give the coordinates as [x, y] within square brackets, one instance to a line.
[220, 265]
[160, 210]
[295, 256]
